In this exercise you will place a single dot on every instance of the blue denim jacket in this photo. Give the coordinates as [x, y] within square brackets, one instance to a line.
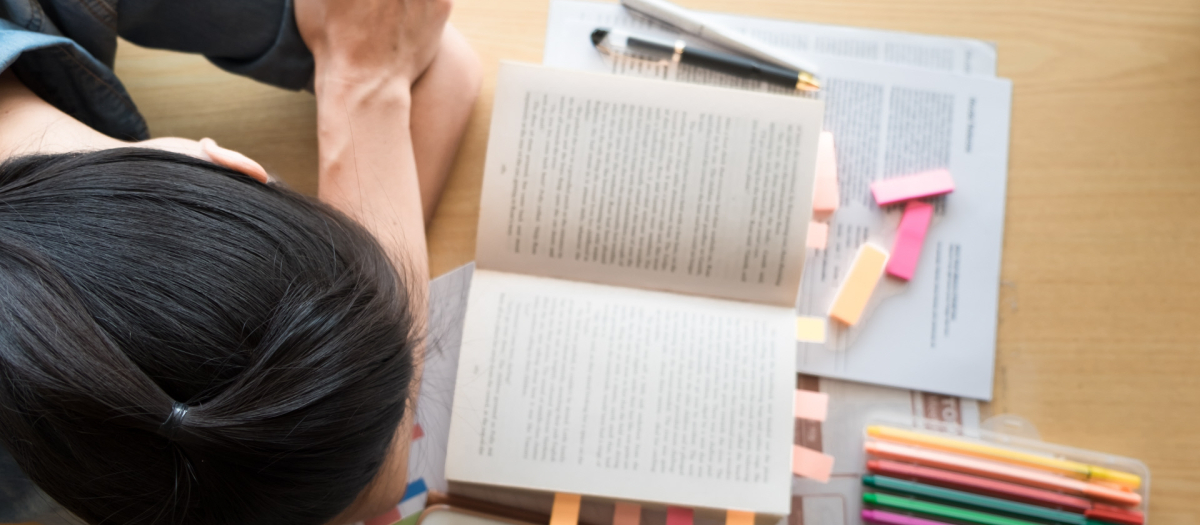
[63, 50]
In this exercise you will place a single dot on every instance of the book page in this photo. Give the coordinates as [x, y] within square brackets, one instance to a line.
[936, 333]
[648, 184]
[623, 393]
[572, 20]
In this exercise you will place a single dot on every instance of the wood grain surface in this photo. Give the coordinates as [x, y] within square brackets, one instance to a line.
[1099, 340]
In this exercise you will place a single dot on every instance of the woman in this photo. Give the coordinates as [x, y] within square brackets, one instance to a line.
[183, 341]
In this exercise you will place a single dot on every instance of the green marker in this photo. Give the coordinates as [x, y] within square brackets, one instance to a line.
[922, 490]
[940, 511]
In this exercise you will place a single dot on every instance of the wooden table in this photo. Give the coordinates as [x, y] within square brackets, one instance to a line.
[1099, 341]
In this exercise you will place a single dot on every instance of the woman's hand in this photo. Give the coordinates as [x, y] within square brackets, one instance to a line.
[370, 40]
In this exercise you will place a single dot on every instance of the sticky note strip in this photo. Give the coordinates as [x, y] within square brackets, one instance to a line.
[811, 464]
[414, 489]
[679, 516]
[387, 518]
[924, 184]
[825, 182]
[818, 235]
[418, 432]
[810, 329]
[856, 289]
[739, 517]
[566, 509]
[413, 505]
[909, 239]
[811, 405]
[627, 514]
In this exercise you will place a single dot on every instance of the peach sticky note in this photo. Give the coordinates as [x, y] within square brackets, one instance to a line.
[627, 514]
[566, 509]
[924, 184]
[909, 239]
[811, 405]
[679, 516]
[810, 329]
[811, 464]
[739, 517]
[818, 235]
[859, 283]
[825, 182]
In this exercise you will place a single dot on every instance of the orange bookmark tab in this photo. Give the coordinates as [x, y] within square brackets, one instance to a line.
[811, 464]
[627, 514]
[566, 509]
[739, 517]
[679, 516]
[811, 405]
[858, 285]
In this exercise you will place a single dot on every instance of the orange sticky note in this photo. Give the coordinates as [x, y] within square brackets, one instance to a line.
[818, 235]
[566, 509]
[856, 289]
[387, 518]
[825, 182]
[811, 405]
[627, 514]
[739, 517]
[811, 464]
[810, 329]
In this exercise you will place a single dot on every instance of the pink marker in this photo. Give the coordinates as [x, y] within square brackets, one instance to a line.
[889, 518]
[909, 239]
[924, 184]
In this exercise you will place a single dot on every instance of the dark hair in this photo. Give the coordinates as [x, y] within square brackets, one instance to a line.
[133, 279]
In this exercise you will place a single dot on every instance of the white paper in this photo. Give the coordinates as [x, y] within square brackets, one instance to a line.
[570, 22]
[623, 393]
[938, 332]
[850, 407]
[648, 184]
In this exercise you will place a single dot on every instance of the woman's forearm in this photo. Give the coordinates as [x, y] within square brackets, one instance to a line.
[367, 168]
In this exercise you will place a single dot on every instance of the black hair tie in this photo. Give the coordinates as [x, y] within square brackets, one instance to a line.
[179, 411]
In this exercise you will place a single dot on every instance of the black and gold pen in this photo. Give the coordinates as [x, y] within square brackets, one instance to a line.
[615, 41]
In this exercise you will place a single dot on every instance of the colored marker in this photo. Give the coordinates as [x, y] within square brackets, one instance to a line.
[978, 485]
[884, 517]
[924, 491]
[940, 511]
[1114, 515]
[1001, 471]
[1065, 467]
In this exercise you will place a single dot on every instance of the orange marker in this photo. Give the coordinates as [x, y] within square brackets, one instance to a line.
[1001, 471]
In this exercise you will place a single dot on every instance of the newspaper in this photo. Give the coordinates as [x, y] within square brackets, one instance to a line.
[890, 116]
[841, 435]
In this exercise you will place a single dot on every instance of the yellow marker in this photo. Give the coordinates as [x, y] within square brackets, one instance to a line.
[739, 517]
[566, 509]
[856, 290]
[810, 329]
[1074, 469]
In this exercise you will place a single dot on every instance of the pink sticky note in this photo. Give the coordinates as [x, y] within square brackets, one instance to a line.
[909, 239]
[818, 235]
[924, 184]
[679, 516]
[825, 183]
[811, 405]
[811, 464]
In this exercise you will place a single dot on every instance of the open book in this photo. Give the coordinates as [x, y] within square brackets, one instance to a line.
[630, 331]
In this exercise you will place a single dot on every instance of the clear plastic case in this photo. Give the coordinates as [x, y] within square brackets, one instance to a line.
[1016, 434]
